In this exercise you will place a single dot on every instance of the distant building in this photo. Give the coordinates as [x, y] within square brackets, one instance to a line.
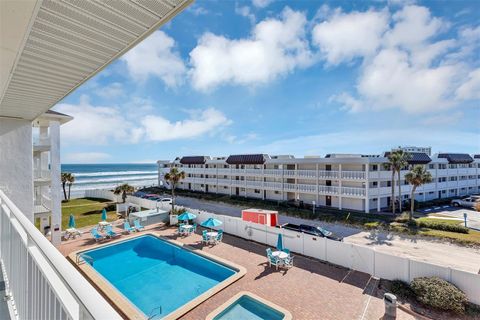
[427, 150]
[344, 181]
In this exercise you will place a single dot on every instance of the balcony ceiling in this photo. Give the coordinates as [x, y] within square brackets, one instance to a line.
[48, 48]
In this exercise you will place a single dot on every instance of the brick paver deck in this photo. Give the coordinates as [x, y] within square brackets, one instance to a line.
[310, 290]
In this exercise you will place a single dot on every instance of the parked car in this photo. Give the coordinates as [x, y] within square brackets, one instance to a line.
[468, 202]
[139, 194]
[166, 200]
[313, 230]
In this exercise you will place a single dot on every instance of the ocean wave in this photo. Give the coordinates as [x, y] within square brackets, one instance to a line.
[111, 173]
[146, 183]
[116, 178]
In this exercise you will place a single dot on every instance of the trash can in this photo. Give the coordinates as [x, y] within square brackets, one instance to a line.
[390, 306]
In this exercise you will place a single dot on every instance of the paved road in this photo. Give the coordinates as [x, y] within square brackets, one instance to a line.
[413, 247]
[473, 217]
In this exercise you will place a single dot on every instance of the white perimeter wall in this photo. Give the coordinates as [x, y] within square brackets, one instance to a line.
[16, 163]
[360, 258]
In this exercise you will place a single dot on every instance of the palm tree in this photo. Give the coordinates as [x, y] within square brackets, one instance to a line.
[173, 177]
[399, 160]
[65, 176]
[124, 189]
[417, 176]
[70, 181]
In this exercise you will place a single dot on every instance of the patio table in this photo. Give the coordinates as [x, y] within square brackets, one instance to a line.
[71, 233]
[280, 254]
[102, 225]
[186, 228]
[212, 234]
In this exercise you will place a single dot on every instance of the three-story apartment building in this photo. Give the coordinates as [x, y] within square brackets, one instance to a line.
[343, 181]
[46, 173]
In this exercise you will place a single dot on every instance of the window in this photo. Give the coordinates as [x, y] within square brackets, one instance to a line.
[431, 192]
[375, 167]
[277, 192]
[375, 184]
[257, 191]
[431, 166]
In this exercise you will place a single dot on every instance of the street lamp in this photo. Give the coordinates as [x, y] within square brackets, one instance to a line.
[313, 206]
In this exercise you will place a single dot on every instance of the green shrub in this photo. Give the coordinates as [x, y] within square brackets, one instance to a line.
[401, 289]
[440, 294]
[442, 226]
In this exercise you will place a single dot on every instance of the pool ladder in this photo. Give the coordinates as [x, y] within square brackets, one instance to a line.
[153, 315]
[80, 259]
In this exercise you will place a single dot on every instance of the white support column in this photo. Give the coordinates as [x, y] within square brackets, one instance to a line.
[378, 203]
[318, 183]
[16, 164]
[340, 186]
[367, 188]
[55, 168]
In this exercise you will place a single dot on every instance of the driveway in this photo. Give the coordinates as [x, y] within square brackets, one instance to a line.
[473, 217]
[423, 249]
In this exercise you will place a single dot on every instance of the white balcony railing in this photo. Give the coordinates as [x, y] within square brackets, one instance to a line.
[307, 173]
[353, 175]
[40, 282]
[41, 174]
[326, 174]
[351, 191]
[272, 172]
[327, 190]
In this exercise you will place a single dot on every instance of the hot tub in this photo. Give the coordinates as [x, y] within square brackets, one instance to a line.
[246, 305]
[148, 217]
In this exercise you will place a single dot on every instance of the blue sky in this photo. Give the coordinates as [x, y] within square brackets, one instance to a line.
[286, 77]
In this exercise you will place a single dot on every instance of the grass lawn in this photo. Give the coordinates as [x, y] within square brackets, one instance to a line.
[447, 221]
[472, 237]
[87, 211]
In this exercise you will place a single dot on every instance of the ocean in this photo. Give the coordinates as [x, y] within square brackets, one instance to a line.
[108, 176]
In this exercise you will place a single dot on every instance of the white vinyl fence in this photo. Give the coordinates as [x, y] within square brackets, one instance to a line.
[40, 282]
[355, 257]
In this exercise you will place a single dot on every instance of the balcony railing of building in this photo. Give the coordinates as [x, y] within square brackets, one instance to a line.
[40, 282]
[44, 174]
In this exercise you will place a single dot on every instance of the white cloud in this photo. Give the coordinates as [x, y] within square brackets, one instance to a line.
[100, 125]
[110, 91]
[347, 101]
[343, 37]
[391, 81]
[245, 12]
[403, 65]
[86, 157]
[413, 26]
[470, 89]
[95, 124]
[160, 129]
[276, 47]
[261, 3]
[155, 56]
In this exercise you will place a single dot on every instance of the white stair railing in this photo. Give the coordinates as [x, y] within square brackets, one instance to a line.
[40, 282]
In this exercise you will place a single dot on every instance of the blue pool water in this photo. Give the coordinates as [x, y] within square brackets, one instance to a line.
[157, 276]
[248, 308]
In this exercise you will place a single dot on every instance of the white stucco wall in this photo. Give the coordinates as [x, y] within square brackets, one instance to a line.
[16, 163]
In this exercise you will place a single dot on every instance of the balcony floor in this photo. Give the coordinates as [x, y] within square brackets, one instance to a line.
[4, 314]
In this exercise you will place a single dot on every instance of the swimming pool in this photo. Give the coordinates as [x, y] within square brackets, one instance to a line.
[246, 305]
[156, 275]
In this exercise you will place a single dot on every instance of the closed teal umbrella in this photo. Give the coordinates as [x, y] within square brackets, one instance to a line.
[186, 216]
[280, 242]
[71, 222]
[104, 214]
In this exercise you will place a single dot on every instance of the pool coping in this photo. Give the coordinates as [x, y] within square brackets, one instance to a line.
[125, 306]
[229, 302]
